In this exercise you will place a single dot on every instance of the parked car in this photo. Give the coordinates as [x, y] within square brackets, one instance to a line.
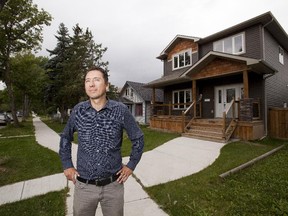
[3, 119]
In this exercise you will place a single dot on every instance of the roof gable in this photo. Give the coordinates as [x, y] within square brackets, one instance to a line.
[143, 92]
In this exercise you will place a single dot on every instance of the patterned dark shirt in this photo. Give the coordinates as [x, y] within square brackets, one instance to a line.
[100, 136]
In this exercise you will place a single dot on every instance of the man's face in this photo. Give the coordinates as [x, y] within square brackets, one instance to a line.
[95, 85]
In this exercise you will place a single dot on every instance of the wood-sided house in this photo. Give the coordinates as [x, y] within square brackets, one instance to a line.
[138, 100]
[223, 85]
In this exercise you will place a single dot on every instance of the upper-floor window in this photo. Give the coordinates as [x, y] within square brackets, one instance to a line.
[281, 55]
[182, 59]
[233, 45]
[129, 92]
[182, 99]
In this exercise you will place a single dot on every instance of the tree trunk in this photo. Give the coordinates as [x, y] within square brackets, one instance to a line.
[9, 84]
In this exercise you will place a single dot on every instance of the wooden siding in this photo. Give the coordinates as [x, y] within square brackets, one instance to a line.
[183, 45]
[219, 67]
[249, 130]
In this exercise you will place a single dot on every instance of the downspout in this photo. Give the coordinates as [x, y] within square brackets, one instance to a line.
[265, 77]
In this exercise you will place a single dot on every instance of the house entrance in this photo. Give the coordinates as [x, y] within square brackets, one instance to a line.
[224, 96]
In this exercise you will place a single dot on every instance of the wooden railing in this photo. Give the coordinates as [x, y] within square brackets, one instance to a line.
[184, 113]
[229, 116]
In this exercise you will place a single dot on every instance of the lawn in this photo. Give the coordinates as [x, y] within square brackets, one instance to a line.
[258, 190]
[22, 158]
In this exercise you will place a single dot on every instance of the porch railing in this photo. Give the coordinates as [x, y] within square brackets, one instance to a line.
[194, 103]
[229, 116]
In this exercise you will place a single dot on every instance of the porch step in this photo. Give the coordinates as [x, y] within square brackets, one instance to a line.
[207, 129]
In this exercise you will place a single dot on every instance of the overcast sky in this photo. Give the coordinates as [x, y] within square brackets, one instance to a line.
[137, 31]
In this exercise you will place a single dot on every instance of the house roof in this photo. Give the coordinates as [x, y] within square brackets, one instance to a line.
[256, 65]
[173, 78]
[267, 20]
[142, 91]
[176, 40]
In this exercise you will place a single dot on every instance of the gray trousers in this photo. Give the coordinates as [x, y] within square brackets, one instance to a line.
[87, 197]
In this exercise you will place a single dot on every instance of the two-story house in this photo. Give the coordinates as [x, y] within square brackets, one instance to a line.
[223, 85]
[138, 99]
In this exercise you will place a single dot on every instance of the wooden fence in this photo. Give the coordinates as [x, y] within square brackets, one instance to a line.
[278, 123]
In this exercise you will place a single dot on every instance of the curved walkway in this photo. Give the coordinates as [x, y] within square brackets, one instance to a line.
[173, 160]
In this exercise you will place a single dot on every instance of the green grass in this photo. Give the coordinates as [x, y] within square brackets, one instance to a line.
[22, 158]
[152, 138]
[258, 190]
[49, 204]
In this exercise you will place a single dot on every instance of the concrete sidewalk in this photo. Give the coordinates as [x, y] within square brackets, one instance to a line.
[173, 160]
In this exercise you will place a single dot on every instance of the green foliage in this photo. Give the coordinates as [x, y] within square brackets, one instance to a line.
[21, 25]
[49, 204]
[27, 68]
[257, 190]
[69, 62]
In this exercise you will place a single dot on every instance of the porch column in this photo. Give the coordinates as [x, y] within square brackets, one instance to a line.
[245, 84]
[194, 95]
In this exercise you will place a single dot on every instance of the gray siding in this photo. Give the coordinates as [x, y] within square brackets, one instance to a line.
[276, 86]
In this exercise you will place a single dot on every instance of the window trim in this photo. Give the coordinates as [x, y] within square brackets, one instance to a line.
[177, 107]
[281, 55]
[178, 61]
[242, 34]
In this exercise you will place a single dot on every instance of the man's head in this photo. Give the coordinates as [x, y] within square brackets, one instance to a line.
[96, 83]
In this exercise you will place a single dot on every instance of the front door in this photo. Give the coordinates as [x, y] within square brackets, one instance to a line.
[224, 96]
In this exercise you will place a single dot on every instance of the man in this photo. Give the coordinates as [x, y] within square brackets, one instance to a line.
[100, 174]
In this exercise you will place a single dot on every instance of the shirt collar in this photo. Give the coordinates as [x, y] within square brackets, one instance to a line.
[109, 105]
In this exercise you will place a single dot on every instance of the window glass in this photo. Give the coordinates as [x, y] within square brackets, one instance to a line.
[230, 94]
[228, 45]
[181, 99]
[218, 46]
[238, 44]
[181, 60]
[232, 45]
[175, 99]
[187, 58]
[281, 55]
[175, 59]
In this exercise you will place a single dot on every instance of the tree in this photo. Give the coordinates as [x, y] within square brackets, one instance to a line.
[21, 25]
[2, 3]
[28, 69]
[67, 73]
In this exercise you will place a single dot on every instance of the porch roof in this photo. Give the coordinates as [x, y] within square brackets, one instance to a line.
[171, 79]
[258, 66]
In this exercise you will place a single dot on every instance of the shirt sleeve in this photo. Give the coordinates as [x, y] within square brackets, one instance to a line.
[66, 138]
[137, 138]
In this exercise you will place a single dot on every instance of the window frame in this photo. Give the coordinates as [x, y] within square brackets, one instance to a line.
[178, 63]
[281, 55]
[221, 43]
[178, 92]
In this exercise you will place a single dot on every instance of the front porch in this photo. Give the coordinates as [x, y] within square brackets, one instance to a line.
[241, 120]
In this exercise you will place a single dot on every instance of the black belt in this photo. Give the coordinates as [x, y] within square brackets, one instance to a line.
[99, 182]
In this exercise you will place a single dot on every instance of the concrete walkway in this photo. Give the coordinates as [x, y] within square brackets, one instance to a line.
[173, 160]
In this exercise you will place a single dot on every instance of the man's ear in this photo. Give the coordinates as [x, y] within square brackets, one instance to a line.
[107, 87]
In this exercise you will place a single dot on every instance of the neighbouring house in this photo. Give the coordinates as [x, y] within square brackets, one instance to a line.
[138, 99]
[222, 86]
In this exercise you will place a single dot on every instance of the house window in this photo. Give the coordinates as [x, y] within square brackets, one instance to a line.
[182, 59]
[181, 99]
[129, 92]
[138, 109]
[233, 45]
[281, 55]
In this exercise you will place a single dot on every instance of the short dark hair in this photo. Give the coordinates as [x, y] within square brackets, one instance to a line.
[103, 71]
